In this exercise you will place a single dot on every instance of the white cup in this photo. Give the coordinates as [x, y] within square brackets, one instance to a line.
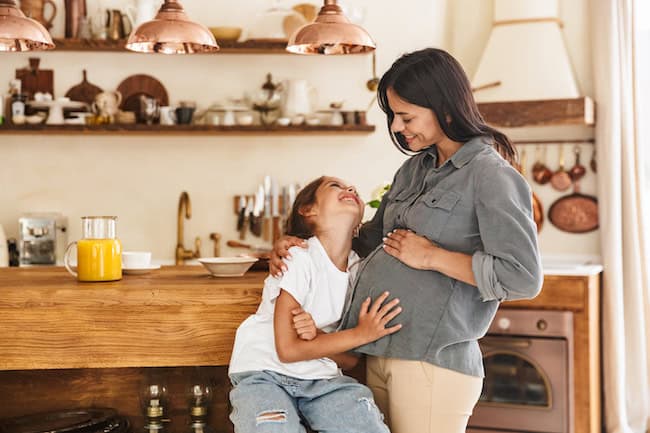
[136, 259]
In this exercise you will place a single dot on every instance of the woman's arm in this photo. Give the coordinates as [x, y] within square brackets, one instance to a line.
[372, 326]
[509, 267]
[419, 252]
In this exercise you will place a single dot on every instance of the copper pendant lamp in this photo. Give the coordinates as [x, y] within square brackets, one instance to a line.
[19, 33]
[171, 32]
[330, 33]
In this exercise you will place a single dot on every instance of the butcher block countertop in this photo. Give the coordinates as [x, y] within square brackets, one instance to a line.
[175, 316]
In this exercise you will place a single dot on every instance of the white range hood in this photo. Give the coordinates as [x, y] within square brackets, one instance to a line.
[526, 53]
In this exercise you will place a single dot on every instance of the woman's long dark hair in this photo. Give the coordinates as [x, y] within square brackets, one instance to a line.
[297, 224]
[433, 79]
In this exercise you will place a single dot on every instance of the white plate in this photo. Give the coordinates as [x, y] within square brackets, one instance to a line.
[139, 271]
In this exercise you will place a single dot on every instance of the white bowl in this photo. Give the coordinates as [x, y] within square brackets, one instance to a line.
[227, 266]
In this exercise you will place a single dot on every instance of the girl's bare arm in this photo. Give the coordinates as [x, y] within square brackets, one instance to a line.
[372, 326]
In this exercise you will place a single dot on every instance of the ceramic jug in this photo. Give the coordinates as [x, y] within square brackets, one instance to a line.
[36, 9]
[298, 98]
[107, 104]
[117, 24]
[142, 11]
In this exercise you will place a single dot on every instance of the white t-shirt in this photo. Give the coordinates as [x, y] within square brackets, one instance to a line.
[320, 288]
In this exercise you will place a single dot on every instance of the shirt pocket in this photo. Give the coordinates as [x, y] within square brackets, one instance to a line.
[395, 208]
[432, 213]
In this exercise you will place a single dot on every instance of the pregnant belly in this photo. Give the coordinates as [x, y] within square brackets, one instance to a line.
[423, 295]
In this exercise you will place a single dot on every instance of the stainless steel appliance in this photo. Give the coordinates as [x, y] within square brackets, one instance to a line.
[43, 238]
[528, 386]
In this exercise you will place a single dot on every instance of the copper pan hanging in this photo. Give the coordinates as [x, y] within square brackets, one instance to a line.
[575, 213]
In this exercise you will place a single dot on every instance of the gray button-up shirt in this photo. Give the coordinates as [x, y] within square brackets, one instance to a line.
[475, 203]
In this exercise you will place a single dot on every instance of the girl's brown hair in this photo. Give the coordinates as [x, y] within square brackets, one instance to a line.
[297, 224]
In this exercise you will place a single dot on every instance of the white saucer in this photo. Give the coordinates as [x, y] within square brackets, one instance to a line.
[139, 271]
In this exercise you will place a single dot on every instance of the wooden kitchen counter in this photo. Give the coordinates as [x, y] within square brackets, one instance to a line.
[175, 316]
[86, 344]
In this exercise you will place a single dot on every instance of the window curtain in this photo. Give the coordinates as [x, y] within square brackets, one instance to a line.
[620, 89]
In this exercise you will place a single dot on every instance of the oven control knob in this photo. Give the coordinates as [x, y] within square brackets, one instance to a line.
[503, 323]
[542, 325]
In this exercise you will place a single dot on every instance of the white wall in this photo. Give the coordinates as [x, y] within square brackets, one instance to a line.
[140, 178]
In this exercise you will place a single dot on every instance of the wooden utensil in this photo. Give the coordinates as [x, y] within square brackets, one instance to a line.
[575, 213]
[592, 163]
[84, 91]
[140, 84]
[541, 173]
[35, 80]
[561, 180]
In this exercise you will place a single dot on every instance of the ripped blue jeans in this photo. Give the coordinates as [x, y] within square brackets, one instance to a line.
[269, 402]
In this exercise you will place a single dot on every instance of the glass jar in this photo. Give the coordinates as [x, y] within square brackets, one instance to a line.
[99, 252]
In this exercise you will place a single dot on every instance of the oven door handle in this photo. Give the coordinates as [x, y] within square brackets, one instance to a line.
[518, 343]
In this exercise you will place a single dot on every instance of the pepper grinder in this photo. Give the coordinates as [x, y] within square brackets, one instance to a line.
[199, 398]
[154, 405]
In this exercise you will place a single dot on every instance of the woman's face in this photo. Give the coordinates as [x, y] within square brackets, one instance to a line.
[418, 125]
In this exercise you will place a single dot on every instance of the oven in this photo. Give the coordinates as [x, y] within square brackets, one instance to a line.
[528, 360]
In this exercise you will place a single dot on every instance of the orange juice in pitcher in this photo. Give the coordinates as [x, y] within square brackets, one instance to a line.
[99, 252]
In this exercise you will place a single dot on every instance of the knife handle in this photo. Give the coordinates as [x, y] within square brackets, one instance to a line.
[267, 228]
[242, 232]
[277, 230]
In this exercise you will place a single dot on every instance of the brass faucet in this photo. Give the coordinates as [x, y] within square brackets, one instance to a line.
[181, 253]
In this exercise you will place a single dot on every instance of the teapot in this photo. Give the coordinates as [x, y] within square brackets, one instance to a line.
[107, 105]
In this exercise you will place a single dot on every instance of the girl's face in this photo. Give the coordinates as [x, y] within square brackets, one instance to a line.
[418, 125]
[336, 198]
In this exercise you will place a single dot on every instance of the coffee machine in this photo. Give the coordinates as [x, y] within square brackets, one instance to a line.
[43, 238]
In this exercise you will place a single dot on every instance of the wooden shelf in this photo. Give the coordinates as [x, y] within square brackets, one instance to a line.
[140, 129]
[578, 111]
[271, 46]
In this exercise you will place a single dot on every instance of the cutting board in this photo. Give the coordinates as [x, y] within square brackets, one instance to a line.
[84, 91]
[35, 80]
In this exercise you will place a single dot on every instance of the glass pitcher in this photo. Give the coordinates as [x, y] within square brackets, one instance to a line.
[99, 252]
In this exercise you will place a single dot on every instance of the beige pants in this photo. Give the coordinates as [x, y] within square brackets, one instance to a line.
[418, 397]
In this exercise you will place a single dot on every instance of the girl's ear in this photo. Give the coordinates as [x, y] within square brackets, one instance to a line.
[307, 210]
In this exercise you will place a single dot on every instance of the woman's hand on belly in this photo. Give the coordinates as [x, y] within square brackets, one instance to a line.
[419, 252]
[411, 249]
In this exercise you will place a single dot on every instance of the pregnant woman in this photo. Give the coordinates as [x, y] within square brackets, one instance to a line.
[452, 238]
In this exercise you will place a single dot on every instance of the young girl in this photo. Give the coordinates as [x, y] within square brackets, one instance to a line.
[282, 381]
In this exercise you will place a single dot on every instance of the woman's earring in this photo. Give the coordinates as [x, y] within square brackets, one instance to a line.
[355, 233]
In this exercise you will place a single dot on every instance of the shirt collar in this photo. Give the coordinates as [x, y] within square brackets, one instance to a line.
[463, 155]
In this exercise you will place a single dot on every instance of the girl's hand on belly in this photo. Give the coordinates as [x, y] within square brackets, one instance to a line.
[411, 249]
